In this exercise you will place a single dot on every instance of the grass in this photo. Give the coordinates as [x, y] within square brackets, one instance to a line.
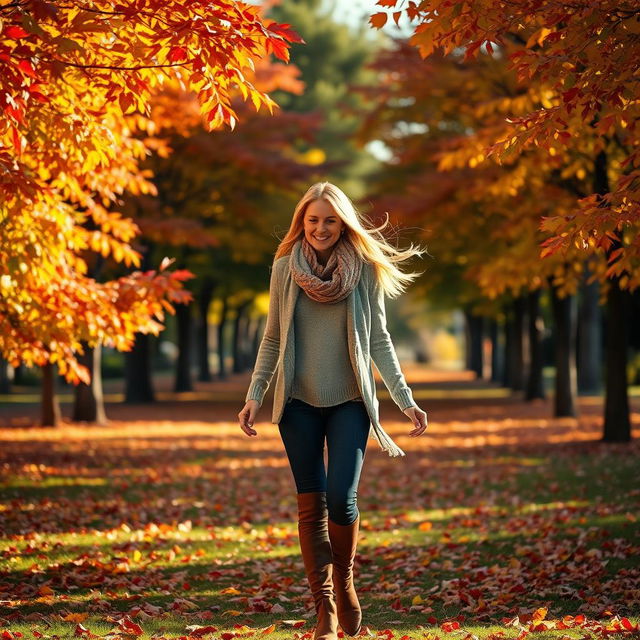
[179, 520]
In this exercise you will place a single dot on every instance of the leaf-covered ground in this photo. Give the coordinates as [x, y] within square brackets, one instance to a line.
[170, 522]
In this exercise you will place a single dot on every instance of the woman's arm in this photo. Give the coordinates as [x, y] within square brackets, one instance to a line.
[382, 350]
[269, 349]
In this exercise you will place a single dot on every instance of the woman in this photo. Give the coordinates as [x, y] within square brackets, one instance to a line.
[325, 387]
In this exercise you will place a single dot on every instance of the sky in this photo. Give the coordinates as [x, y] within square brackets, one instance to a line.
[357, 12]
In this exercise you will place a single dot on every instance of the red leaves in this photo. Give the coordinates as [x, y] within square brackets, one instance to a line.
[26, 68]
[126, 625]
[15, 31]
[176, 54]
[536, 622]
[285, 32]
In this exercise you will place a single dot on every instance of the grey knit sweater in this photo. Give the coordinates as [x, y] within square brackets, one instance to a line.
[367, 339]
[321, 346]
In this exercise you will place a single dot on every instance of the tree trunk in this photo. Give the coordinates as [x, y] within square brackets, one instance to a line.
[222, 369]
[514, 347]
[5, 380]
[496, 360]
[509, 348]
[535, 381]
[564, 319]
[184, 323]
[51, 416]
[474, 325]
[257, 335]
[204, 302]
[137, 371]
[617, 420]
[617, 423]
[589, 356]
[237, 336]
[252, 326]
[19, 374]
[88, 403]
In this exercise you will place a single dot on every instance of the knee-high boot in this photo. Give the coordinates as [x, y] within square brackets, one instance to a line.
[344, 541]
[316, 554]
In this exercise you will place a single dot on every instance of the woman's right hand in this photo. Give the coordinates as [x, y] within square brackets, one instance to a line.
[248, 416]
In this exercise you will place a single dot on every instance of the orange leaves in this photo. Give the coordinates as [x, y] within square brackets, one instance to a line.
[73, 108]
[378, 20]
[581, 72]
[537, 623]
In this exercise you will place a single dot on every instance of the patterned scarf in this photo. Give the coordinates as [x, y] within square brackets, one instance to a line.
[329, 283]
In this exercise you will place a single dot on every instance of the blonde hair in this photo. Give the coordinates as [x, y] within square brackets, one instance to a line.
[369, 243]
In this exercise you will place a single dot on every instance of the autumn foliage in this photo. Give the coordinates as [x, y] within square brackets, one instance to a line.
[579, 61]
[76, 84]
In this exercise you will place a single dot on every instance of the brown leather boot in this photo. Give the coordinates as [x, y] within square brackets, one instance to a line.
[316, 554]
[344, 541]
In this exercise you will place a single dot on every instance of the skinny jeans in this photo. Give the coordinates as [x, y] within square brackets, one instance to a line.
[345, 427]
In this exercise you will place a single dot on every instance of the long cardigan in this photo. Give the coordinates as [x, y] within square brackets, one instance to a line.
[368, 339]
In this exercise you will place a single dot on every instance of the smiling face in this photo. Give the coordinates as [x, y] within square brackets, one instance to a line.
[322, 227]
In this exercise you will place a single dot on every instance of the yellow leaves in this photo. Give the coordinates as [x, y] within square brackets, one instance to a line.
[538, 37]
[313, 156]
[476, 160]
[75, 617]
[548, 99]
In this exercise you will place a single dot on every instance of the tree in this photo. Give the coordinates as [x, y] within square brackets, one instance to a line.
[77, 83]
[218, 194]
[333, 60]
[581, 59]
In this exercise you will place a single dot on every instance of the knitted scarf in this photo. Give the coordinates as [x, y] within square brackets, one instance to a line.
[329, 283]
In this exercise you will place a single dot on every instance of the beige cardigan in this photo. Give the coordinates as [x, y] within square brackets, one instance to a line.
[368, 341]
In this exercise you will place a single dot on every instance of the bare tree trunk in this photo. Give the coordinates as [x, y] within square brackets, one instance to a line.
[509, 348]
[204, 302]
[514, 348]
[183, 381]
[88, 403]
[222, 369]
[590, 352]
[237, 335]
[496, 360]
[50, 413]
[138, 372]
[5, 380]
[564, 317]
[257, 335]
[535, 382]
[474, 330]
[617, 422]
[19, 375]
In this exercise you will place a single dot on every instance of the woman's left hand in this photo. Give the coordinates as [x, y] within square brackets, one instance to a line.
[419, 419]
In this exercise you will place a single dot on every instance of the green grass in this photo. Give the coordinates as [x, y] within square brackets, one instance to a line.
[474, 537]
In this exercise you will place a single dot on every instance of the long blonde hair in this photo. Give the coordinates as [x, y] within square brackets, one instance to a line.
[369, 243]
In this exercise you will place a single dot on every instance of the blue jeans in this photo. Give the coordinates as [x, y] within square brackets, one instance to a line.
[303, 429]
